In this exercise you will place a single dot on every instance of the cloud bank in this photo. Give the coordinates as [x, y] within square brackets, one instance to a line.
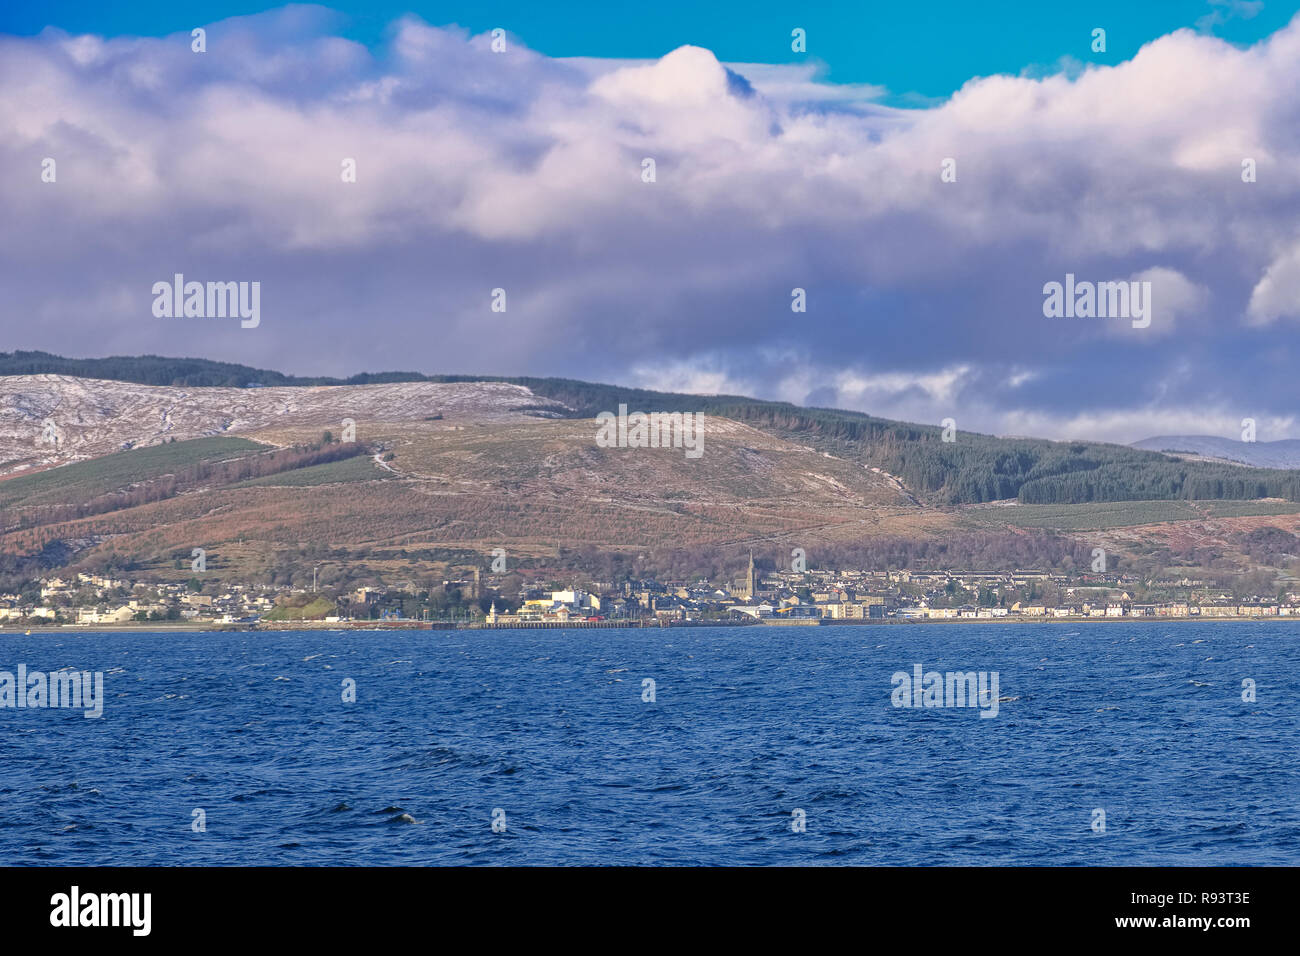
[479, 170]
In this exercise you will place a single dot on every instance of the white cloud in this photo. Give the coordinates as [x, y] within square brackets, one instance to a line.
[1277, 294]
[479, 170]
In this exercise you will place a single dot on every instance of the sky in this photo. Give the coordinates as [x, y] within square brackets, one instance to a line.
[922, 172]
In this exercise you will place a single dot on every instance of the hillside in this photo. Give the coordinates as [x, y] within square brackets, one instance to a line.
[535, 488]
[51, 419]
[972, 469]
[442, 474]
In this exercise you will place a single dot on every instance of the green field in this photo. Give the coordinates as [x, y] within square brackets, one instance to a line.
[81, 481]
[1098, 516]
[359, 468]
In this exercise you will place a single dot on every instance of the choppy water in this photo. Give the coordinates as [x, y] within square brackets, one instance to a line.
[1144, 721]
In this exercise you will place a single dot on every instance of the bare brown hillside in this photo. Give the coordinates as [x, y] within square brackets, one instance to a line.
[531, 486]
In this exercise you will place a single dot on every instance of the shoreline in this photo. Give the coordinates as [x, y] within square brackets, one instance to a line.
[372, 627]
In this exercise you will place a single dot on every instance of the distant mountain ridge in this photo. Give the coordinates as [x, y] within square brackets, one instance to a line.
[1258, 454]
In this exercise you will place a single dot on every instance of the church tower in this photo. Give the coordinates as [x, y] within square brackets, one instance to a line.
[750, 586]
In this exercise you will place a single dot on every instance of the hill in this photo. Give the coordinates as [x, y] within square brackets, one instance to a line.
[971, 469]
[51, 419]
[1259, 454]
[443, 473]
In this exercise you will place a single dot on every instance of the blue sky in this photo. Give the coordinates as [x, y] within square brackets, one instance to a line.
[925, 48]
[523, 170]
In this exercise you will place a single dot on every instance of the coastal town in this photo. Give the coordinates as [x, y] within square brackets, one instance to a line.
[88, 600]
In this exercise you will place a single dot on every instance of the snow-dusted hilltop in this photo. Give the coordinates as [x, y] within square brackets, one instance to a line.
[54, 419]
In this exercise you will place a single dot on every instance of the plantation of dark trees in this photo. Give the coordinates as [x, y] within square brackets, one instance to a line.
[977, 468]
[974, 468]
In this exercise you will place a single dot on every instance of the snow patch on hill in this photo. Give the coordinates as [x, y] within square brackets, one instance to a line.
[54, 419]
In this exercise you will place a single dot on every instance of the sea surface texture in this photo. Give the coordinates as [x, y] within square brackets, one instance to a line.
[760, 745]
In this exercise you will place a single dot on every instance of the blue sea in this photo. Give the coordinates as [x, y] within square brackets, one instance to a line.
[238, 748]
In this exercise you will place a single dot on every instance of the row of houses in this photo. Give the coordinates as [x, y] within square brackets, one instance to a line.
[1109, 610]
[101, 585]
[1171, 609]
[157, 602]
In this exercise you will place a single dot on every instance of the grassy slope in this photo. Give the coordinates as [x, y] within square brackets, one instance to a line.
[81, 481]
[361, 468]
